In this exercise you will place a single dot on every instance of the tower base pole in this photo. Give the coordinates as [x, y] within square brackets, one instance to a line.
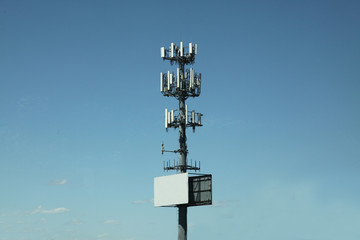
[182, 232]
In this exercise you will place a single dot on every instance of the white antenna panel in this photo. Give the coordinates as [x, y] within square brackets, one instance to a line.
[162, 52]
[196, 49]
[161, 82]
[181, 49]
[168, 80]
[191, 78]
[190, 48]
[169, 117]
[172, 50]
[186, 114]
[193, 116]
[178, 78]
[166, 116]
[172, 115]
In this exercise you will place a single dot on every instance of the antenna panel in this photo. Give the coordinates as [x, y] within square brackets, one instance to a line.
[181, 49]
[162, 50]
[172, 50]
[161, 82]
[166, 116]
[168, 81]
[199, 83]
[178, 78]
[191, 78]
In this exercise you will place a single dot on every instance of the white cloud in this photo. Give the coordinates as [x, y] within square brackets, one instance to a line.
[103, 236]
[41, 210]
[60, 181]
[114, 222]
[76, 221]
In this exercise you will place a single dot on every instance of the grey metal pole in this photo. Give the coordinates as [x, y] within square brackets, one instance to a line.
[182, 232]
[182, 136]
[182, 226]
[182, 127]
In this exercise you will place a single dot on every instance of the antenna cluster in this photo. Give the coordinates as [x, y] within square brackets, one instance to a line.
[181, 85]
[175, 53]
[173, 85]
[168, 165]
[192, 119]
[185, 82]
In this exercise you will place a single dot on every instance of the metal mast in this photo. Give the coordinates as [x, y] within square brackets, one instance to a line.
[185, 83]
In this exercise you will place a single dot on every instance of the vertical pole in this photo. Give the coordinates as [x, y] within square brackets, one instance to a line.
[182, 127]
[182, 233]
[182, 226]
[182, 136]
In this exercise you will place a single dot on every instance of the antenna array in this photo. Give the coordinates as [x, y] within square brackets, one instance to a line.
[181, 85]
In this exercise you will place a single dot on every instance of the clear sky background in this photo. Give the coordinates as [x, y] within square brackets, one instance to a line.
[81, 118]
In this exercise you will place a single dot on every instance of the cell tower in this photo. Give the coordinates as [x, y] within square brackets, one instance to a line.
[181, 190]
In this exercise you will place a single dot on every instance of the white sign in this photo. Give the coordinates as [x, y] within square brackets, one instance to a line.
[171, 190]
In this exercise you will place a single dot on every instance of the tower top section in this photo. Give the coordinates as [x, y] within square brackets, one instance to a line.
[183, 83]
[179, 54]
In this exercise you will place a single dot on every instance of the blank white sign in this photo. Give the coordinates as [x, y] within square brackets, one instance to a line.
[171, 190]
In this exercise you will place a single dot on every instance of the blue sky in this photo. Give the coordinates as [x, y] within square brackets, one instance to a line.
[81, 121]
